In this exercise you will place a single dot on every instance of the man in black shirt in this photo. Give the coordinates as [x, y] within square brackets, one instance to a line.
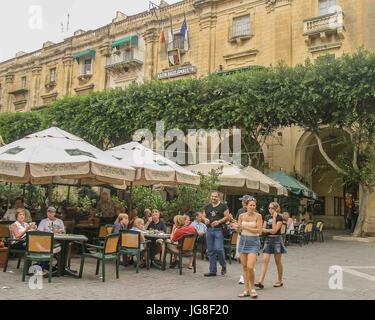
[217, 214]
[156, 223]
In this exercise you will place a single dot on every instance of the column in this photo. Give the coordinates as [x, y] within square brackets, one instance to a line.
[68, 75]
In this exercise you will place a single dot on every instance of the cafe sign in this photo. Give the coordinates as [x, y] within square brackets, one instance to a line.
[177, 72]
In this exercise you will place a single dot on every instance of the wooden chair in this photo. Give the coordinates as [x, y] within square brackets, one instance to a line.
[319, 231]
[104, 230]
[230, 245]
[16, 247]
[108, 252]
[39, 247]
[130, 245]
[186, 248]
[308, 234]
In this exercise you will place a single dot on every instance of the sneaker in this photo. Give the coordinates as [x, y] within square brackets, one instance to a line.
[223, 271]
[241, 281]
[210, 274]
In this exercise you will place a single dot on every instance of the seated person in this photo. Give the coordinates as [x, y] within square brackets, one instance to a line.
[187, 219]
[51, 223]
[289, 222]
[133, 215]
[121, 223]
[10, 214]
[106, 208]
[156, 223]
[199, 225]
[179, 230]
[20, 228]
[139, 227]
[147, 214]
[201, 229]
[54, 225]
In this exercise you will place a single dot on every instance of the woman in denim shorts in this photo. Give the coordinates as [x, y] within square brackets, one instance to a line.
[273, 245]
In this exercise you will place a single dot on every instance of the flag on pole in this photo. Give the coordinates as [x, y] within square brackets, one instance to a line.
[185, 32]
[170, 40]
[163, 42]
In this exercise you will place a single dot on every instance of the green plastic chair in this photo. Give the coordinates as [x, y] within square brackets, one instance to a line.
[17, 247]
[230, 245]
[130, 245]
[108, 252]
[39, 247]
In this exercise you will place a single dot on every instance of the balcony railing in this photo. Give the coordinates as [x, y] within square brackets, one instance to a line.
[327, 23]
[19, 88]
[127, 58]
[241, 32]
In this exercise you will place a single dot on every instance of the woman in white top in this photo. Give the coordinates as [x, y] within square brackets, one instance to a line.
[289, 222]
[250, 225]
[20, 227]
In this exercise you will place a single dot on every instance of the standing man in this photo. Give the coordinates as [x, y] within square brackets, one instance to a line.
[217, 214]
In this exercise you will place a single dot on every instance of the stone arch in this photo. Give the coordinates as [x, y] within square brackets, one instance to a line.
[323, 180]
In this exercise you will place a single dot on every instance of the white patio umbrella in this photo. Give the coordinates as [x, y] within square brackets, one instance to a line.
[152, 168]
[56, 156]
[236, 180]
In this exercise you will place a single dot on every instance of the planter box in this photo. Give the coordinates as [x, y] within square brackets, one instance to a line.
[3, 255]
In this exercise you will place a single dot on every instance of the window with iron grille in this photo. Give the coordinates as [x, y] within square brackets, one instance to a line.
[178, 41]
[327, 6]
[241, 26]
[52, 75]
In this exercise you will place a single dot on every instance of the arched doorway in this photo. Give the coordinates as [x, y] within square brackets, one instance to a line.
[322, 178]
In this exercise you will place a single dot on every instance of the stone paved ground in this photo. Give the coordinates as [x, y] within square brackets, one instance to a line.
[306, 277]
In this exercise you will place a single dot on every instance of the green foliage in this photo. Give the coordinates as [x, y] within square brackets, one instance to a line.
[194, 198]
[85, 205]
[146, 197]
[14, 126]
[10, 191]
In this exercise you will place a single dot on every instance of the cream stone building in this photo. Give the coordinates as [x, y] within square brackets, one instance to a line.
[223, 36]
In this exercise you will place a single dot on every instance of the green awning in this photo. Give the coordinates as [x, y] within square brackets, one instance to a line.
[84, 53]
[293, 185]
[132, 39]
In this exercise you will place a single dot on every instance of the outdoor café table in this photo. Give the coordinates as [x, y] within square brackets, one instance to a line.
[64, 240]
[155, 236]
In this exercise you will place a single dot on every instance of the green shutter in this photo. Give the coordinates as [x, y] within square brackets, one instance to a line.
[84, 53]
[132, 39]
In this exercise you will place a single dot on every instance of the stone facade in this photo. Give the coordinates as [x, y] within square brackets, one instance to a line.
[224, 35]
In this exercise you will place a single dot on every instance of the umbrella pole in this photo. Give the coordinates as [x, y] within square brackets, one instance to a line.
[68, 197]
[49, 194]
[10, 190]
[23, 192]
[130, 200]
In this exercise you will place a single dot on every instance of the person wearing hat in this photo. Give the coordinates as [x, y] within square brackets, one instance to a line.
[244, 199]
[51, 223]
[55, 225]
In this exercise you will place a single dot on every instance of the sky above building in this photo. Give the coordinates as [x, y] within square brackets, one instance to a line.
[26, 24]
